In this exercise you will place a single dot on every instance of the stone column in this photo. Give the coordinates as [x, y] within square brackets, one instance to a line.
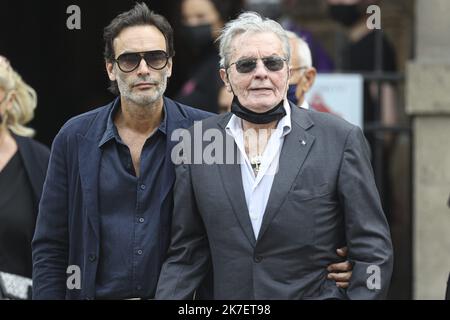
[428, 102]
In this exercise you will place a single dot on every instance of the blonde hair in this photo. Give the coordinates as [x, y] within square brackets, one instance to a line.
[24, 101]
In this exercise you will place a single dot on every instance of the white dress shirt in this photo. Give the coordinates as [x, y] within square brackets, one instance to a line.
[257, 189]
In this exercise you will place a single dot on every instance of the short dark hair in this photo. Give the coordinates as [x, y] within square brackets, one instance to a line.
[139, 15]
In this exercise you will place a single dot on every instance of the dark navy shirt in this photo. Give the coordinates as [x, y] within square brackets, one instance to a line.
[129, 206]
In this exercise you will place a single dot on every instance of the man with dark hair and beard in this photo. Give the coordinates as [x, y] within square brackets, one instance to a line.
[107, 201]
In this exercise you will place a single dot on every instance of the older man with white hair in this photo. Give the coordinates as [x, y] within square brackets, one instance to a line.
[298, 185]
[303, 74]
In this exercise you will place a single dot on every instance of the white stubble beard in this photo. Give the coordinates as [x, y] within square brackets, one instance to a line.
[126, 92]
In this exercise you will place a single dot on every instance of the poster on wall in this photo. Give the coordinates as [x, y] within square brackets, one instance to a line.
[339, 94]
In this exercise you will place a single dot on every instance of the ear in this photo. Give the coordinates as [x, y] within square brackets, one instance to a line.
[310, 77]
[224, 77]
[110, 70]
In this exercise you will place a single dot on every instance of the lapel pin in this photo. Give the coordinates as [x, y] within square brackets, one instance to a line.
[303, 142]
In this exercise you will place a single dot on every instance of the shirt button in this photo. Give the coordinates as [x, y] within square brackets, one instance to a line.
[143, 186]
[253, 216]
[258, 259]
[139, 252]
[141, 220]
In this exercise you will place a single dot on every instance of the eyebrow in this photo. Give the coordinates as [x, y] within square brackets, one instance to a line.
[254, 58]
[130, 51]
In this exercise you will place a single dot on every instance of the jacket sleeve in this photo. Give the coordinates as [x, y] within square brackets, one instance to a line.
[366, 228]
[50, 241]
[188, 259]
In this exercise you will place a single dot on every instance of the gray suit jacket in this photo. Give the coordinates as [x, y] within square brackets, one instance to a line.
[323, 197]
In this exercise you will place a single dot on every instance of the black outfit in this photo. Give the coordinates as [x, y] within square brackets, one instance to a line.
[21, 182]
[202, 88]
[360, 56]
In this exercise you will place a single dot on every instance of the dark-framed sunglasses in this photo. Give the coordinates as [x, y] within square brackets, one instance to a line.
[128, 62]
[272, 63]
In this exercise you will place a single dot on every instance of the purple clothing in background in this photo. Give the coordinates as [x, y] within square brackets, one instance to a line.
[320, 59]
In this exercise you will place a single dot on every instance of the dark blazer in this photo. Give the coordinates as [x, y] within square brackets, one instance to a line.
[67, 230]
[322, 197]
[35, 157]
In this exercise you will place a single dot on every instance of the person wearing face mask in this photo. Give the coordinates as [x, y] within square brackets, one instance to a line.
[361, 54]
[23, 164]
[284, 12]
[303, 73]
[201, 21]
[285, 187]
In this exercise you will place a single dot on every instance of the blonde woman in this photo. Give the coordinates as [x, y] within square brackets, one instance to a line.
[23, 164]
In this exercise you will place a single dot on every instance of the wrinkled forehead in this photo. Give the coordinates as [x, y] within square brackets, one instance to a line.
[256, 45]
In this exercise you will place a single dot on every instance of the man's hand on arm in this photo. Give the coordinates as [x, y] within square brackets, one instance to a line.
[341, 272]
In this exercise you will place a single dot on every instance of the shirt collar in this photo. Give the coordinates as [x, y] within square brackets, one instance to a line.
[111, 129]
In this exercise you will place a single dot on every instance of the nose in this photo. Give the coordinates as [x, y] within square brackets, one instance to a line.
[143, 68]
[260, 70]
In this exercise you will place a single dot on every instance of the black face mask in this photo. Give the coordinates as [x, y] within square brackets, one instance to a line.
[347, 15]
[198, 37]
[274, 114]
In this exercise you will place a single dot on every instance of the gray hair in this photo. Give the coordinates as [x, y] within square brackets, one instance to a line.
[304, 53]
[249, 22]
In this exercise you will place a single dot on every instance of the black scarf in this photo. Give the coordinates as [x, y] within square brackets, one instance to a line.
[274, 114]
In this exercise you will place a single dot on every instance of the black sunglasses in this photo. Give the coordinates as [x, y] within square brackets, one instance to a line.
[273, 63]
[156, 59]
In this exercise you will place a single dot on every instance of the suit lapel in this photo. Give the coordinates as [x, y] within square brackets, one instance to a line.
[294, 152]
[89, 155]
[30, 161]
[232, 181]
[168, 167]
[175, 120]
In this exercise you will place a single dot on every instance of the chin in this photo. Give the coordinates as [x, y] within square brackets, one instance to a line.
[144, 100]
[262, 105]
